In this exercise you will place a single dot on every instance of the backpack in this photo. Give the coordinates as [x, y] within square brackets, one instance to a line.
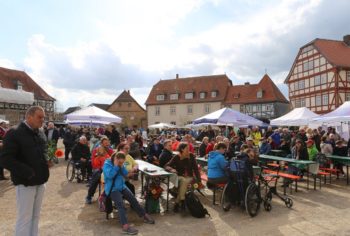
[195, 206]
[321, 159]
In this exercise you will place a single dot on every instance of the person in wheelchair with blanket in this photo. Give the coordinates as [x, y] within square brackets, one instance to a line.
[81, 157]
[240, 172]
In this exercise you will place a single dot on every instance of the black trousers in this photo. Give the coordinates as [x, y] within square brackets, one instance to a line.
[67, 150]
[95, 180]
[130, 186]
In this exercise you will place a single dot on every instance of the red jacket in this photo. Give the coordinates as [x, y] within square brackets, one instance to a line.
[97, 162]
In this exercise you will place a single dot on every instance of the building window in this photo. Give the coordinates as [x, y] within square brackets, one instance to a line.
[302, 84]
[347, 96]
[188, 95]
[19, 87]
[308, 65]
[157, 111]
[297, 103]
[160, 97]
[173, 122]
[347, 77]
[254, 108]
[259, 94]
[325, 99]
[173, 110]
[174, 96]
[324, 78]
[214, 94]
[202, 95]
[206, 108]
[302, 102]
[189, 109]
[318, 100]
[317, 80]
[296, 85]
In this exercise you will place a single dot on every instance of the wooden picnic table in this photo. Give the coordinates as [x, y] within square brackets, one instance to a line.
[150, 171]
[342, 160]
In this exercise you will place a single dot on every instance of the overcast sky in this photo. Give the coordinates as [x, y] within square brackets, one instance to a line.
[86, 51]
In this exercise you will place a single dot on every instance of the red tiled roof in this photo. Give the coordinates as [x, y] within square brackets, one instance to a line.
[219, 83]
[336, 52]
[125, 97]
[9, 79]
[244, 94]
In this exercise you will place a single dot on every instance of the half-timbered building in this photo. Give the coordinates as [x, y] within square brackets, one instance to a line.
[18, 91]
[320, 75]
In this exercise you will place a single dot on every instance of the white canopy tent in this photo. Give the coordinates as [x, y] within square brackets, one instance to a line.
[341, 114]
[297, 117]
[91, 116]
[161, 126]
[228, 117]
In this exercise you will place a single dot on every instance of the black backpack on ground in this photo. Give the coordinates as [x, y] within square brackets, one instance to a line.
[194, 205]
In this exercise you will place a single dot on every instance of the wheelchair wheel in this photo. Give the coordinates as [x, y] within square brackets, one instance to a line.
[252, 199]
[288, 202]
[267, 206]
[70, 171]
[225, 199]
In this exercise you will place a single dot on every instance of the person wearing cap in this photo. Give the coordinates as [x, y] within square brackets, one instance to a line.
[340, 150]
[311, 149]
[265, 147]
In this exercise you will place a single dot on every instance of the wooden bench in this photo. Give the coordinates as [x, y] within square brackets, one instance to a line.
[213, 187]
[330, 171]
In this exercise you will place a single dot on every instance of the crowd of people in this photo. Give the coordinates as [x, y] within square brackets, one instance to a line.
[106, 151]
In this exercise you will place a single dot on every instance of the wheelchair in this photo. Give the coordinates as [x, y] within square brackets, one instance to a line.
[73, 171]
[241, 190]
[249, 190]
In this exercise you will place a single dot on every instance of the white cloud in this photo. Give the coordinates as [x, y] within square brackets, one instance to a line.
[6, 63]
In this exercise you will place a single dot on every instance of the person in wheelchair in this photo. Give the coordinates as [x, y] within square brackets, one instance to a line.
[185, 166]
[114, 172]
[217, 165]
[81, 156]
[98, 157]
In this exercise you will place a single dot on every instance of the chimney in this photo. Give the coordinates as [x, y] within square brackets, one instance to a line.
[177, 76]
[128, 91]
[246, 83]
[346, 39]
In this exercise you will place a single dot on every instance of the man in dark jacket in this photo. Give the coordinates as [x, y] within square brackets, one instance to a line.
[114, 137]
[24, 154]
[68, 141]
[81, 154]
[166, 154]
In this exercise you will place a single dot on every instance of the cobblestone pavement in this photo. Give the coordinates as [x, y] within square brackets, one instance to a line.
[320, 212]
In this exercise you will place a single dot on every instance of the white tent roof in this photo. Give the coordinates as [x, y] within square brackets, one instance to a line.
[92, 115]
[341, 114]
[16, 96]
[297, 117]
[227, 116]
[161, 126]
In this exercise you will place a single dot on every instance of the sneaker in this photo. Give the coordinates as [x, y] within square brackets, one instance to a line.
[148, 220]
[176, 207]
[88, 200]
[130, 231]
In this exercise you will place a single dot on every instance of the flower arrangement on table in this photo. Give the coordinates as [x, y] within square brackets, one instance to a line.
[155, 191]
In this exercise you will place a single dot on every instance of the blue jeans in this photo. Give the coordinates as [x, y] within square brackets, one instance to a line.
[29, 201]
[117, 197]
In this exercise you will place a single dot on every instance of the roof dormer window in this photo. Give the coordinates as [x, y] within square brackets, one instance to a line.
[236, 95]
[202, 95]
[174, 96]
[160, 97]
[19, 85]
[189, 95]
[259, 94]
[214, 94]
